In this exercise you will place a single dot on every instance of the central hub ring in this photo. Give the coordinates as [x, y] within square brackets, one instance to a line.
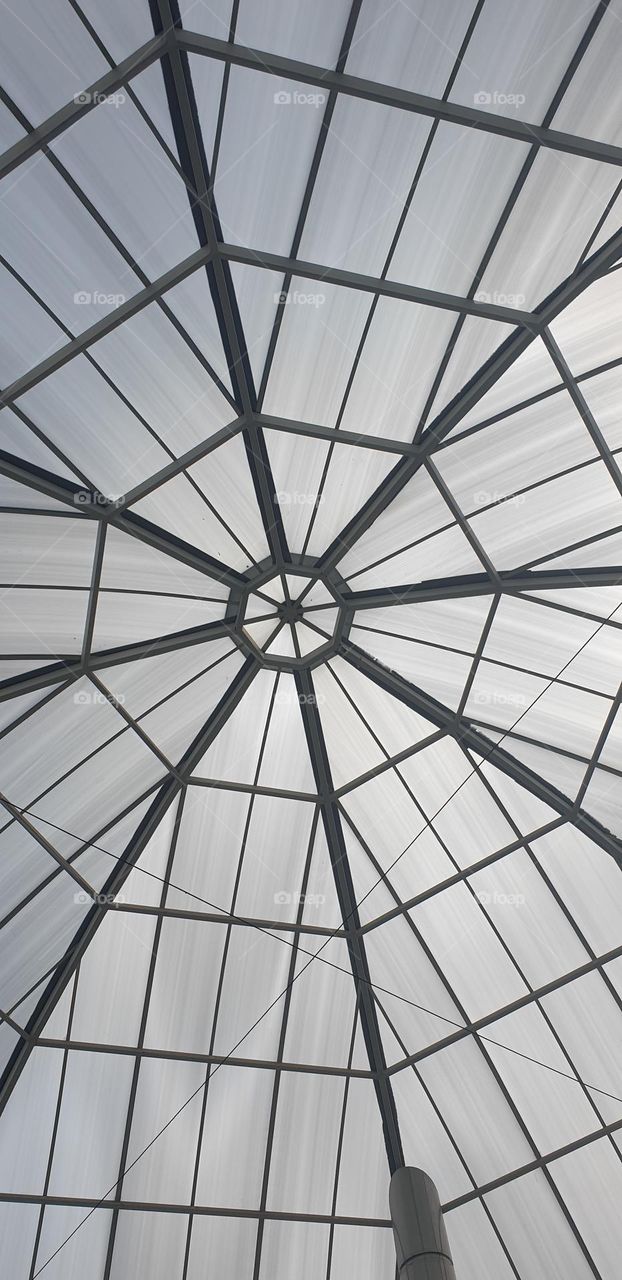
[289, 617]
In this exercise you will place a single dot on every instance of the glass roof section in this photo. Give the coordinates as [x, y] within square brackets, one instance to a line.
[311, 650]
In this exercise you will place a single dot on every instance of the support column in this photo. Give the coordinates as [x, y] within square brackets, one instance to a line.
[421, 1240]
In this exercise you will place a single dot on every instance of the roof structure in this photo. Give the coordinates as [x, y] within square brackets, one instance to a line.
[310, 734]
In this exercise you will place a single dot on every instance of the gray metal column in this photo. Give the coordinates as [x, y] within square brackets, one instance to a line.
[421, 1241]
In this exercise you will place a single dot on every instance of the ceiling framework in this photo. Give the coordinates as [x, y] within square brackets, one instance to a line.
[313, 591]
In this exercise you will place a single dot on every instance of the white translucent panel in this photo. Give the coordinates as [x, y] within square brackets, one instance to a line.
[123, 619]
[351, 747]
[110, 1011]
[588, 881]
[445, 553]
[72, 726]
[408, 45]
[210, 17]
[591, 103]
[477, 1114]
[475, 1246]
[319, 336]
[529, 920]
[385, 814]
[180, 1008]
[269, 134]
[318, 984]
[438, 672]
[590, 1182]
[140, 684]
[371, 891]
[602, 798]
[164, 1173]
[257, 294]
[236, 1120]
[539, 639]
[588, 331]
[363, 1187]
[353, 475]
[234, 753]
[95, 1094]
[611, 752]
[456, 624]
[562, 511]
[275, 854]
[567, 718]
[207, 851]
[564, 773]
[417, 511]
[282, 645]
[288, 27]
[111, 150]
[178, 398]
[554, 1108]
[397, 726]
[549, 226]
[294, 1248]
[601, 601]
[520, 450]
[31, 336]
[50, 550]
[471, 825]
[467, 951]
[308, 640]
[302, 1171]
[17, 495]
[23, 863]
[459, 198]
[598, 665]
[321, 905]
[27, 1122]
[286, 761]
[18, 438]
[414, 997]
[588, 1019]
[366, 1252]
[390, 387]
[371, 155]
[500, 695]
[425, 1139]
[531, 372]
[608, 549]
[256, 975]
[54, 243]
[191, 301]
[227, 1242]
[435, 773]
[260, 633]
[174, 726]
[18, 1225]
[42, 622]
[10, 130]
[123, 28]
[148, 1244]
[537, 1233]
[515, 60]
[602, 394]
[144, 883]
[48, 56]
[111, 447]
[179, 507]
[83, 1254]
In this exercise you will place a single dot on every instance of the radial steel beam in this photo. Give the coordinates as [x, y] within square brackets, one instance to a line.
[479, 384]
[404, 99]
[383, 288]
[463, 731]
[168, 792]
[479, 584]
[349, 912]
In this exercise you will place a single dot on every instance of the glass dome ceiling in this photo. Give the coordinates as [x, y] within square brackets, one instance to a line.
[312, 635]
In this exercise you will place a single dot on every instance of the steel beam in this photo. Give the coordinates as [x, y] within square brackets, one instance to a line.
[479, 584]
[404, 99]
[168, 792]
[463, 732]
[349, 912]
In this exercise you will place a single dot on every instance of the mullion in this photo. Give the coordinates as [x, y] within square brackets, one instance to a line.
[342, 1126]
